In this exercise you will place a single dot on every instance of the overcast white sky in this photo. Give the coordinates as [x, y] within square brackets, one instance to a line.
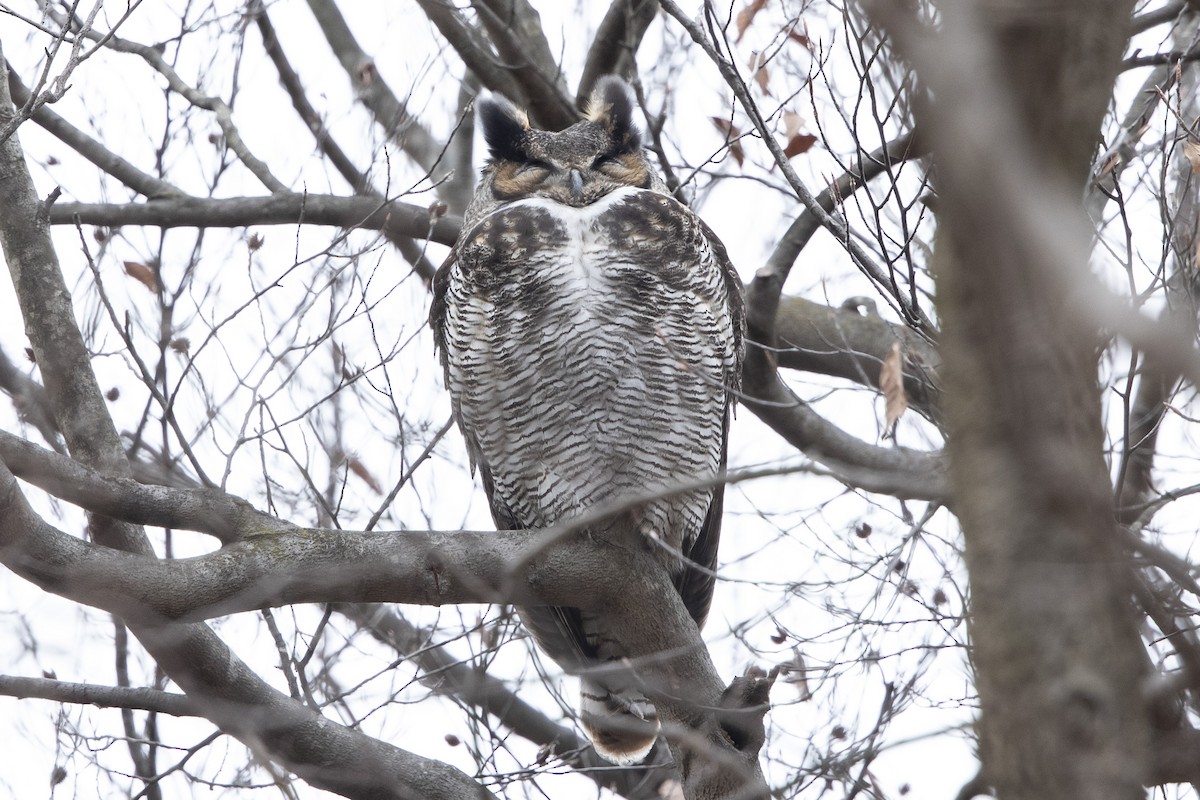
[799, 526]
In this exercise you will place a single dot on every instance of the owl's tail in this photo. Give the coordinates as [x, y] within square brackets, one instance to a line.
[620, 721]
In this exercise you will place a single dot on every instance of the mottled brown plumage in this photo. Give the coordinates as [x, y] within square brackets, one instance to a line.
[590, 327]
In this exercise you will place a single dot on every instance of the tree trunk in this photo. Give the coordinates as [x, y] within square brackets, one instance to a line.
[1056, 649]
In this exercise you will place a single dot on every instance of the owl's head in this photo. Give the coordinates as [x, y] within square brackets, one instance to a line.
[576, 166]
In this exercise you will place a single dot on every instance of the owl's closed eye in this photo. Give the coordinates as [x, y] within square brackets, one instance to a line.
[575, 167]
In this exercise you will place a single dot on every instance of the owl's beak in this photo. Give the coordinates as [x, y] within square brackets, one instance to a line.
[575, 181]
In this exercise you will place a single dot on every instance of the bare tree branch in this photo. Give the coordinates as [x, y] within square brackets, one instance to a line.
[898, 471]
[1149, 19]
[402, 219]
[1181, 289]
[231, 694]
[177, 705]
[429, 568]
[221, 111]
[848, 343]
[836, 225]
[38, 98]
[141, 182]
[358, 181]
[472, 48]
[295, 89]
[231, 519]
[870, 166]
[208, 510]
[845, 343]
[516, 30]
[29, 397]
[370, 87]
[460, 153]
[614, 50]
[1119, 154]
[491, 695]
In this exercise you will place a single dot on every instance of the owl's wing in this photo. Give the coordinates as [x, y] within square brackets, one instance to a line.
[697, 580]
[737, 311]
[558, 631]
[438, 310]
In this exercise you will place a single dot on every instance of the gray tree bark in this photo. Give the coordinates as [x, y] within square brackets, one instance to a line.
[1056, 650]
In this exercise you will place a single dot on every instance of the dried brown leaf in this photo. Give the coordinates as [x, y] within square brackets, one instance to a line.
[801, 39]
[746, 16]
[732, 136]
[1191, 151]
[758, 64]
[795, 672]
[726, 127]
[800, 143]
[739, 155]
[142, 274]
[360, 469]
[891, 383]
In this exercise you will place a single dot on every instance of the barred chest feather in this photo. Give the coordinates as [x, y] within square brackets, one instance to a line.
[588, 351]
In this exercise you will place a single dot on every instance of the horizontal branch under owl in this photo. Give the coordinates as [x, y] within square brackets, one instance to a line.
[228, 517]
[310, 565]
[281, 564]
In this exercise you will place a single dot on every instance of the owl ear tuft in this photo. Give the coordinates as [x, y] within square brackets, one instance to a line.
[612, 104]
[504, 128]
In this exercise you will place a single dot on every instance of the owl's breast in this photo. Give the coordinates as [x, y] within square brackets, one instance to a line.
[630, 242]
[588, 350]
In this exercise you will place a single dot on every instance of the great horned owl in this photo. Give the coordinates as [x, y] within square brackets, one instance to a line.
[590, 327]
